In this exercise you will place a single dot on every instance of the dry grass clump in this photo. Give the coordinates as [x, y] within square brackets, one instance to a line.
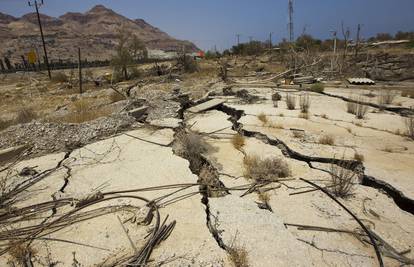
[359, 157]
[407, 93]
[269, 169]
[290, 101]
[324, 116]
[263, 118]
[276, 97]
[298, 134]
[409, 125]
[327, 139]
[21, 254]
[275, 125]
[59, 77]
[238, 256]
[304, 116]
[386, 97]
[317, 88]
[304, 103]
[25, 115]
[238, 141]
[82, 112]
[5, 123]
[342, 178]
[116, 97]
[357, 108]
[190, 146]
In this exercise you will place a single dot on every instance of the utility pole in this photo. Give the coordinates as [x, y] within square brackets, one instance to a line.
[250, 39]
[238, 38]
[270, 41]
[358, 40]
[290, 26]
[80, 71]
[334, 50]
[37, 5]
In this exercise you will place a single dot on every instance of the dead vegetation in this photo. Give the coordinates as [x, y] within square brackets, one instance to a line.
[238, 141]
[116, 97]
[25, 115]
[327, 139]
[409, 125]
[356, 107]
[269, 169]
[190, 146]
[343, 177]
[290, 101]
[304, 103]
[59, 77]
[83, 112]
[263, 118]
[359, 157]
[238, 255]
[386, 97]
[317, 88]
[21, 254]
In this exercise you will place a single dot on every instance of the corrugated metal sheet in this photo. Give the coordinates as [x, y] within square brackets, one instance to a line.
[360, 81]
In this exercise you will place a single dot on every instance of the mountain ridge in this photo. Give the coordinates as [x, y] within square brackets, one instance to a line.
[94, 31]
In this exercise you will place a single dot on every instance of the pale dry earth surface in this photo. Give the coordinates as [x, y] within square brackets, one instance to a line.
[110, 225]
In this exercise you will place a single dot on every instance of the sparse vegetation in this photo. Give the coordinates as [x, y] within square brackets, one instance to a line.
[386, 97]
[263, 118]
[82, 112]
[4, 124]
[356, 107]
[298, 134]
[276, 97]
[238, 255]
[25, 115]
[342, 178]
[409, 125]
[190, 146]
[317, 87]
[269, 169]
[304, 103]
[187, 64]
[358, 157]
[327, 139]
[59, 77]
[304, 116]
[290, 101]
[116, 97]
[238, 141]
[324, 116]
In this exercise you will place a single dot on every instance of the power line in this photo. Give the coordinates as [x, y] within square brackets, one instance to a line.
[37, 5]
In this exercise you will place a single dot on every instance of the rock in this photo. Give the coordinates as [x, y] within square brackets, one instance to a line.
[206, 105]
[138, 113]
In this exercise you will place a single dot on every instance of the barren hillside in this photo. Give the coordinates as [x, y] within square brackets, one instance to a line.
[94, 31]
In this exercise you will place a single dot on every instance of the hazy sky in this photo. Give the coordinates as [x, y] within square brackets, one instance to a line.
[215, 22]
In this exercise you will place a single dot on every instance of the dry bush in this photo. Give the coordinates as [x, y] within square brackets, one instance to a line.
[357, 108]
[407, 93]
[327, 140]
[263, 118]
[304, 116]
[342, 178]
[190, 146]
[324, 116]
[409, 125]
[238, 141]
[116, 97]
[238, 256]
[276, 97]
[317, 88]
[59, 77]
[298, 134]
[275, 125]
[25, 115]
[187, 64]
[82, 112]
[359, 157]
[304, 103]
[386, 97]
[290, 101]
[270, 169]
[5, 123]
[21, 254]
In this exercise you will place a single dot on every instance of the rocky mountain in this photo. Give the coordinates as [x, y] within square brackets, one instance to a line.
[94, 31]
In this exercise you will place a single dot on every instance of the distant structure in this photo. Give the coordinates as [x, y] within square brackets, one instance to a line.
[290, 25]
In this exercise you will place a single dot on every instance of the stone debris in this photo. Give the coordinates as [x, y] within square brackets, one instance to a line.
[361, 81]
[47, 137]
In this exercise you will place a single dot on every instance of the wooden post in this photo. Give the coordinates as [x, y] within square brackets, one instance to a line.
[80, 70]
